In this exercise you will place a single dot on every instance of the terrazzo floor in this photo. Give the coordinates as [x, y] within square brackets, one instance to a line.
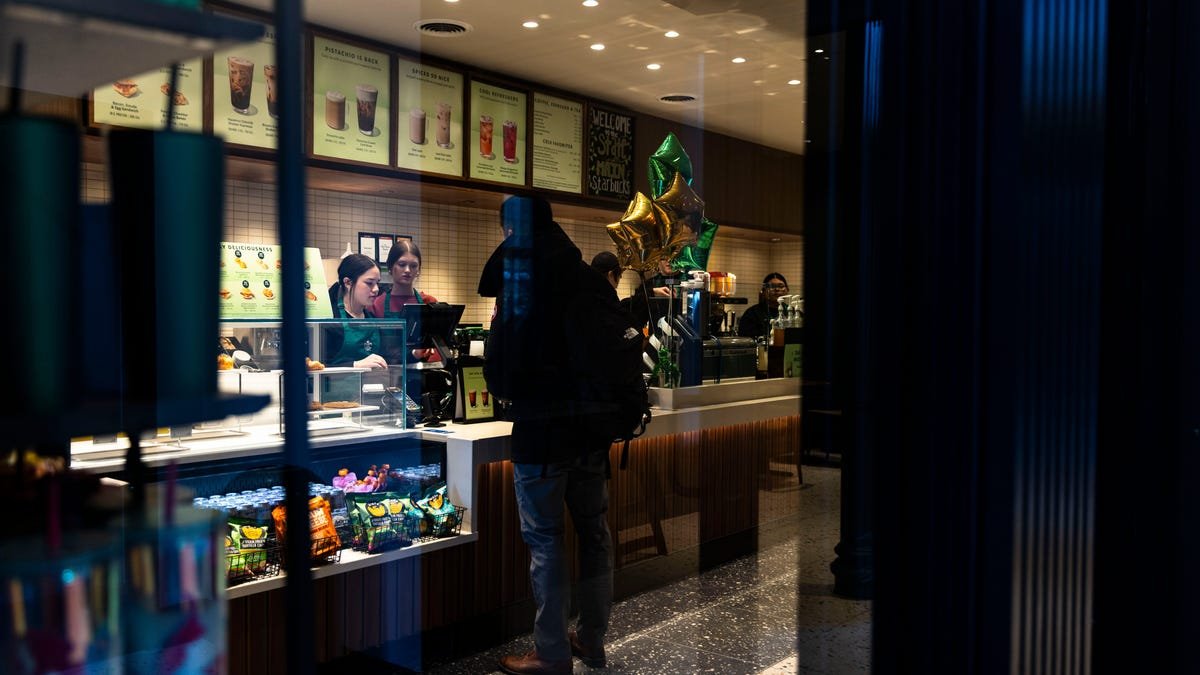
[771, 612]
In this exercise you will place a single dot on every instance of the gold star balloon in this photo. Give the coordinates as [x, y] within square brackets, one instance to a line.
[682, 206]
[638, 235]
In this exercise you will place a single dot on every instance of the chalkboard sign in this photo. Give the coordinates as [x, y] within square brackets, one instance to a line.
[610, 154]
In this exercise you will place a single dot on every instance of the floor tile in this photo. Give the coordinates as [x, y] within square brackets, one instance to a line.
[655, 657]
[733, 632]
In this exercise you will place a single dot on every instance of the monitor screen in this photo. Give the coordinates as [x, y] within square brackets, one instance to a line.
[427, 323]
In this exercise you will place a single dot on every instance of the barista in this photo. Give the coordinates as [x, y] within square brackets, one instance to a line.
[756, 321]
[351, 297]
[404, 264]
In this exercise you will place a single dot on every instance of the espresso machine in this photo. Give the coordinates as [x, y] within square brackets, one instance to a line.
[707, 354]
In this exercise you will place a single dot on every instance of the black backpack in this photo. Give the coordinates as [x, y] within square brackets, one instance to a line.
[605, 356]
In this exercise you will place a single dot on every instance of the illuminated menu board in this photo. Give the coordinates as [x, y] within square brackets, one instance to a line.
[497, 148]
[430, 126]
[351, 110]
[141, 101]
[557, 143]
[245, 93]
[610, 153]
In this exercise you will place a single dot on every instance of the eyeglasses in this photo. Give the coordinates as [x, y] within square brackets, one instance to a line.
[775, 288]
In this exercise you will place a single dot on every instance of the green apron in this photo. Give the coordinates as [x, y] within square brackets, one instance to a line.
[387, 304]
[357, 344]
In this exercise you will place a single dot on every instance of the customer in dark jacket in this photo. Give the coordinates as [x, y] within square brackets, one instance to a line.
[538, 278]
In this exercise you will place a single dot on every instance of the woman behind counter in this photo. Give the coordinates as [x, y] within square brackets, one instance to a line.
[404, 264]
[756, 321]
[352, 297]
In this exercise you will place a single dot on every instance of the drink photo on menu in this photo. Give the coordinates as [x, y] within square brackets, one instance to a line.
[241, 82]
[335, 110]
[366, 96]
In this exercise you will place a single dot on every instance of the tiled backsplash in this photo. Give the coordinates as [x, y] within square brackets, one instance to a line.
[455, 241]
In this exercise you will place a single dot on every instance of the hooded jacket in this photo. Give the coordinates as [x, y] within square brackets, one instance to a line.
[535, 275]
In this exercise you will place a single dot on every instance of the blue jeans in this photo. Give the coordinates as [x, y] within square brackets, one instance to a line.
[582, 484]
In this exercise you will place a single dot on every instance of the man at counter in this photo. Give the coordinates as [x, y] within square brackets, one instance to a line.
[535, 274]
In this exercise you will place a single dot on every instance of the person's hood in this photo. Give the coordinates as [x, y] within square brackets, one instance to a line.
[546, 248]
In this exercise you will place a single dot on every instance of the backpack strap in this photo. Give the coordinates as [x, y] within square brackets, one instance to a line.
[624, 455]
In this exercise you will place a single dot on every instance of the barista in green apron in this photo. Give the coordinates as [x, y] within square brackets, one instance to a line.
[357, 287]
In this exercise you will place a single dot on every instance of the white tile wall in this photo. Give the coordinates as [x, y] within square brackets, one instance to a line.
[455, 241]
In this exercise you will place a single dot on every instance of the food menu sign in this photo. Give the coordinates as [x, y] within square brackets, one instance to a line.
[557, 143]
[250, 282]
[350, 102]
[610, 154]
[497, 149]
[244, 94]
[141, 101]
[430, 129]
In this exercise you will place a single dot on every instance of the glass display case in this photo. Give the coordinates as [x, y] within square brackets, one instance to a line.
[358, 373]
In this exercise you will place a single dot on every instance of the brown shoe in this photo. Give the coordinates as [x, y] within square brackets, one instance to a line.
[592, 658]
[532, 664]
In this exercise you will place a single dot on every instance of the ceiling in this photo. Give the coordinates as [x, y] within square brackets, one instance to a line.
[750, 100]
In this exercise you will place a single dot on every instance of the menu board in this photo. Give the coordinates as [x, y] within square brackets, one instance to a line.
[610, 154]
[141, 101]
[351, 111]
[250, 282]
[557, 143]
[244, 93]
[474, 394]
[496, 108]
[429, 104]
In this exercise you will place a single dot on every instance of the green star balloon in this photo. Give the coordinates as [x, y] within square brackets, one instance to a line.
[695, 256]
[670, 158]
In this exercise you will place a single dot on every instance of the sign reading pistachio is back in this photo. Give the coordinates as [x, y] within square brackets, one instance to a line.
[350, 102]
[610, 154]
[141, 101]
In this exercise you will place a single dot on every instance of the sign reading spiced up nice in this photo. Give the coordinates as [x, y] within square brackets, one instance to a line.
[610, 154]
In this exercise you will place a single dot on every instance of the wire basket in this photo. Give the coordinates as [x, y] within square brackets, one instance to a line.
[252, 565]
[386, 538]
[326, 551]
[445, 525]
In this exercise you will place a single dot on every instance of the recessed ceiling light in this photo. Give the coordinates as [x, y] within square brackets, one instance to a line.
[671, 34]
[590, 3]
[738, 59]
[771, 93]
[759, 81]
[642, 48]
[710, 51]
[530, 24]
[598, 47]
[818, 51]
[793, 82]
[653, 66]
[451, 1]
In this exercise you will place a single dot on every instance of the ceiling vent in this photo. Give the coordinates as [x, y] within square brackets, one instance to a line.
[677, 98]
[442, 27]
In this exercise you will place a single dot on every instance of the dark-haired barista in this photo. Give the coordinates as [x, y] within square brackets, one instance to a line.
[756, 321]
[352, 297]
[404, 264]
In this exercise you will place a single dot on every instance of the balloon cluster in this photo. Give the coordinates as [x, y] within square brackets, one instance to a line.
[670, 226]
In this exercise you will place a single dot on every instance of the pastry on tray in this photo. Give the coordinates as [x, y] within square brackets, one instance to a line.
[339, 405]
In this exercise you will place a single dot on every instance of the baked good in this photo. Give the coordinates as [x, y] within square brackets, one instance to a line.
[180, 99]
[339, 405]
[247, 294]
[224, 362]
[126, 88]
[268, 294]
[312, 297]
[315, 405]
[225, 294]
[313, 365]
[240, 263]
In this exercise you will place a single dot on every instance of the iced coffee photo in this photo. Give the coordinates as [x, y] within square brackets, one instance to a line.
[335, 110]
[416, 126]
[367, 97]
[443, 125]
[485, 137]
[241, 80]
[269, 74]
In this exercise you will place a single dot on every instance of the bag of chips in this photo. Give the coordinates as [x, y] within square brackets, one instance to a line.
[373, 520]
[325, 540]
[443, 515]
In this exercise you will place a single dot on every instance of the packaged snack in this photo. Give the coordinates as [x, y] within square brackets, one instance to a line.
[443, 515]
[415, 523]
[325, 540]
[246, 546]
[374, 524]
